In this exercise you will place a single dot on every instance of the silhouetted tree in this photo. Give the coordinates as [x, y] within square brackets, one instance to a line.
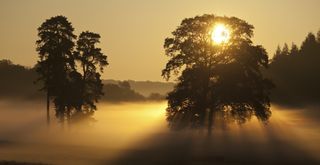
[55, 46]
[294, 51]
[318, 36]
[92, 62]
[278, 53]
[309, 46]
[285, 50]
[217, 80]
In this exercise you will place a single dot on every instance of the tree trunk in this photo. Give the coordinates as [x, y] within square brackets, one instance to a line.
[210, 121]
[48, 108]
[68, 117]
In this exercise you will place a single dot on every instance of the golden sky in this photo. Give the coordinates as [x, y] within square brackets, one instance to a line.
[133, 31]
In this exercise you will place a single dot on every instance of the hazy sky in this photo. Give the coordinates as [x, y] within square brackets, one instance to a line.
[133, 31]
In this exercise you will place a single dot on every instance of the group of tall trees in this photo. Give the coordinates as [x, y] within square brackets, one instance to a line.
[310, 47]
[295, 72]
[218, 82]
[69, 69]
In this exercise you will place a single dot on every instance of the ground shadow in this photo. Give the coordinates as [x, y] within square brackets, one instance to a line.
[222, 148]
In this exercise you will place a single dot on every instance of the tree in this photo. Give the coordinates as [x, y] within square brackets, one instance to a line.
[318, 36]
[55, 46]
[310, 46]
[285, 50]
[294, 50]
[217, 81]
[281, 54]
[90, 84]
[278, 52]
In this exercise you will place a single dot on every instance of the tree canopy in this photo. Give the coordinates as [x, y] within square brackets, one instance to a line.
[216, 81]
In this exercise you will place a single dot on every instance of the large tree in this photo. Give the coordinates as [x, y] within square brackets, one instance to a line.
[92, 62]
[218, 81]
[310, 46]
[55, 47]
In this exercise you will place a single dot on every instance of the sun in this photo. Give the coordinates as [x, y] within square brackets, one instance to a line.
[220, 34]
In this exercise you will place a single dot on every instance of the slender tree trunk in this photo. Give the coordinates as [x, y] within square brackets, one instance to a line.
[210, 122]
[84, 71]
[69, 117]
[61, 116]
[208, 108]
[48, 108]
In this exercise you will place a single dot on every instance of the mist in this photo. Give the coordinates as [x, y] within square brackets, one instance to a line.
[137, 133]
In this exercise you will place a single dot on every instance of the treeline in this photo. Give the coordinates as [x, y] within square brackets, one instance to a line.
[295, 72]
[17, 83]
[123, 91]
[147, 88]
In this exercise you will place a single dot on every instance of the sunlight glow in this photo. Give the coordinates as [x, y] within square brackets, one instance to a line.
[220, 34]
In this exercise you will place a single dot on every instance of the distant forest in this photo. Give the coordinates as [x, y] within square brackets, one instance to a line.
[294, 71]
[18, 83]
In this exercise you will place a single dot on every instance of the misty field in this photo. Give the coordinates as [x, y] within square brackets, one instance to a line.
[137, 133]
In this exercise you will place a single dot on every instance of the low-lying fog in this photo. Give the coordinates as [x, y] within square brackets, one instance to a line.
[137, 133]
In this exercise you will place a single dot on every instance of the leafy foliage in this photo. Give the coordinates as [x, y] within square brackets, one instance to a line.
[217, 81]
